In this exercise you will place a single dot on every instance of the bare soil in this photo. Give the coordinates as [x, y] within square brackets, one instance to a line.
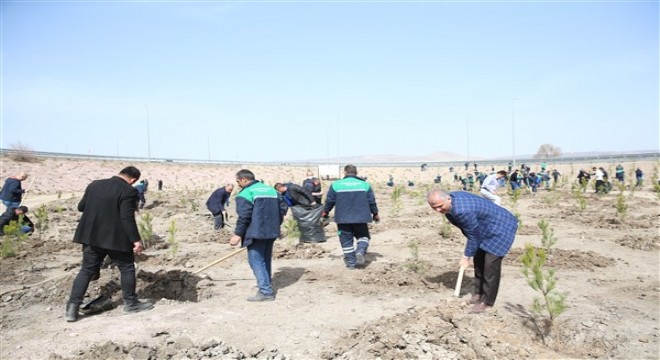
[400, 305]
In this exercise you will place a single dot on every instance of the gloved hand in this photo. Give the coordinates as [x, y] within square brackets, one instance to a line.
[376, 218]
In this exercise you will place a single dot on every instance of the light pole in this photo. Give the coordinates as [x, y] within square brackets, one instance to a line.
[337, 136]
[513, 130]
[467, 128]
[117, 142]
[148, 135]
[327, 141]
[208, 145]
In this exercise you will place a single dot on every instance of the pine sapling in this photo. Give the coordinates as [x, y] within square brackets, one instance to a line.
[584, 183]
[621, 206]
[446, 229]
[171, 238]
[542, 280]
[515, 196]
[518, 217]
[291, 228]
[415, 265]
[548, 238]
[193, 205]
[578, 194]
[656, 181]
[146, 229]
[396, 200]
[41, 224]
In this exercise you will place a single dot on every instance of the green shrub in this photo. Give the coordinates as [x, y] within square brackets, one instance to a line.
[13, 237]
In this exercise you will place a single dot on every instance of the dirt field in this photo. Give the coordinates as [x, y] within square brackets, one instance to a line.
[399, 306]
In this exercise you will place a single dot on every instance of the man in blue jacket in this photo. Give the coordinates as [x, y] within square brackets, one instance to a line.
[490, 231]
[12, 192]
[217, 202]
[356, 206]
[260, 212]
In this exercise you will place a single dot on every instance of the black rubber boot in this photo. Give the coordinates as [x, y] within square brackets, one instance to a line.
[71, 312]
[137, 307]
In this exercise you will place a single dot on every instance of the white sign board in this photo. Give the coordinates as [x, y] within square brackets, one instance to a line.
[330, 172]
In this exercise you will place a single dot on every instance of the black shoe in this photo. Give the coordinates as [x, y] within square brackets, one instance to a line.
[71, 314]
[137, 307]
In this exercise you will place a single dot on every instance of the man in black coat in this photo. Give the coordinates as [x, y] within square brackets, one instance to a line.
[14, 214]
[295, 194]
[107, 228]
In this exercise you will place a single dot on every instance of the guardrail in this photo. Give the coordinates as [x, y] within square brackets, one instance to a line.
[608, 157]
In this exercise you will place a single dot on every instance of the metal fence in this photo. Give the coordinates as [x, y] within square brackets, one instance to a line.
[600, 158]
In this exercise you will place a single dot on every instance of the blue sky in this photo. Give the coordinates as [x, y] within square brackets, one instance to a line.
[278, 81]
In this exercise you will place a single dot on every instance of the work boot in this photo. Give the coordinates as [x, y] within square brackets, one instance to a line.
[137, 306]
[475, 299]
[261, 297]
[71, 314]
[479, 308]
[359, 259]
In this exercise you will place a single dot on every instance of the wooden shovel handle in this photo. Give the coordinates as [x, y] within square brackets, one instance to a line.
[459, 281]
[220, 260]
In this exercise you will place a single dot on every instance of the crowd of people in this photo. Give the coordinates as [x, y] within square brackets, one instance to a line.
[107, 227]
[526, 178]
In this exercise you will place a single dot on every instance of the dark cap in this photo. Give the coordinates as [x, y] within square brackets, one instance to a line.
[24, 209]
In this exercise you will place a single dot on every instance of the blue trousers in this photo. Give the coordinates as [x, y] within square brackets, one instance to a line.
[260, 256]
[13, 204]
[219, 221]
[347, 233]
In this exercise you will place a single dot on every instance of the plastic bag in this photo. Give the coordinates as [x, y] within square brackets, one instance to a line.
[309, 223]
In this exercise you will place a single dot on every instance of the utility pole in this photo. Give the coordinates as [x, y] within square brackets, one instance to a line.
[148, 135]
[513, 130]
[327, 141]
[337, 136]
[467, 131]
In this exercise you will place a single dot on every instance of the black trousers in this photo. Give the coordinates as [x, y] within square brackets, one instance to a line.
[487, 274]
[91, 264]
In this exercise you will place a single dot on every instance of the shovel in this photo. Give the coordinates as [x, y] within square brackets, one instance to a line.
[99, 304]
[459, 282]
[220, 260]
[26, 191]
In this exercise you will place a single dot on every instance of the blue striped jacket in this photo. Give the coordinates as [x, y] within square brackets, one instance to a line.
[486, 225]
